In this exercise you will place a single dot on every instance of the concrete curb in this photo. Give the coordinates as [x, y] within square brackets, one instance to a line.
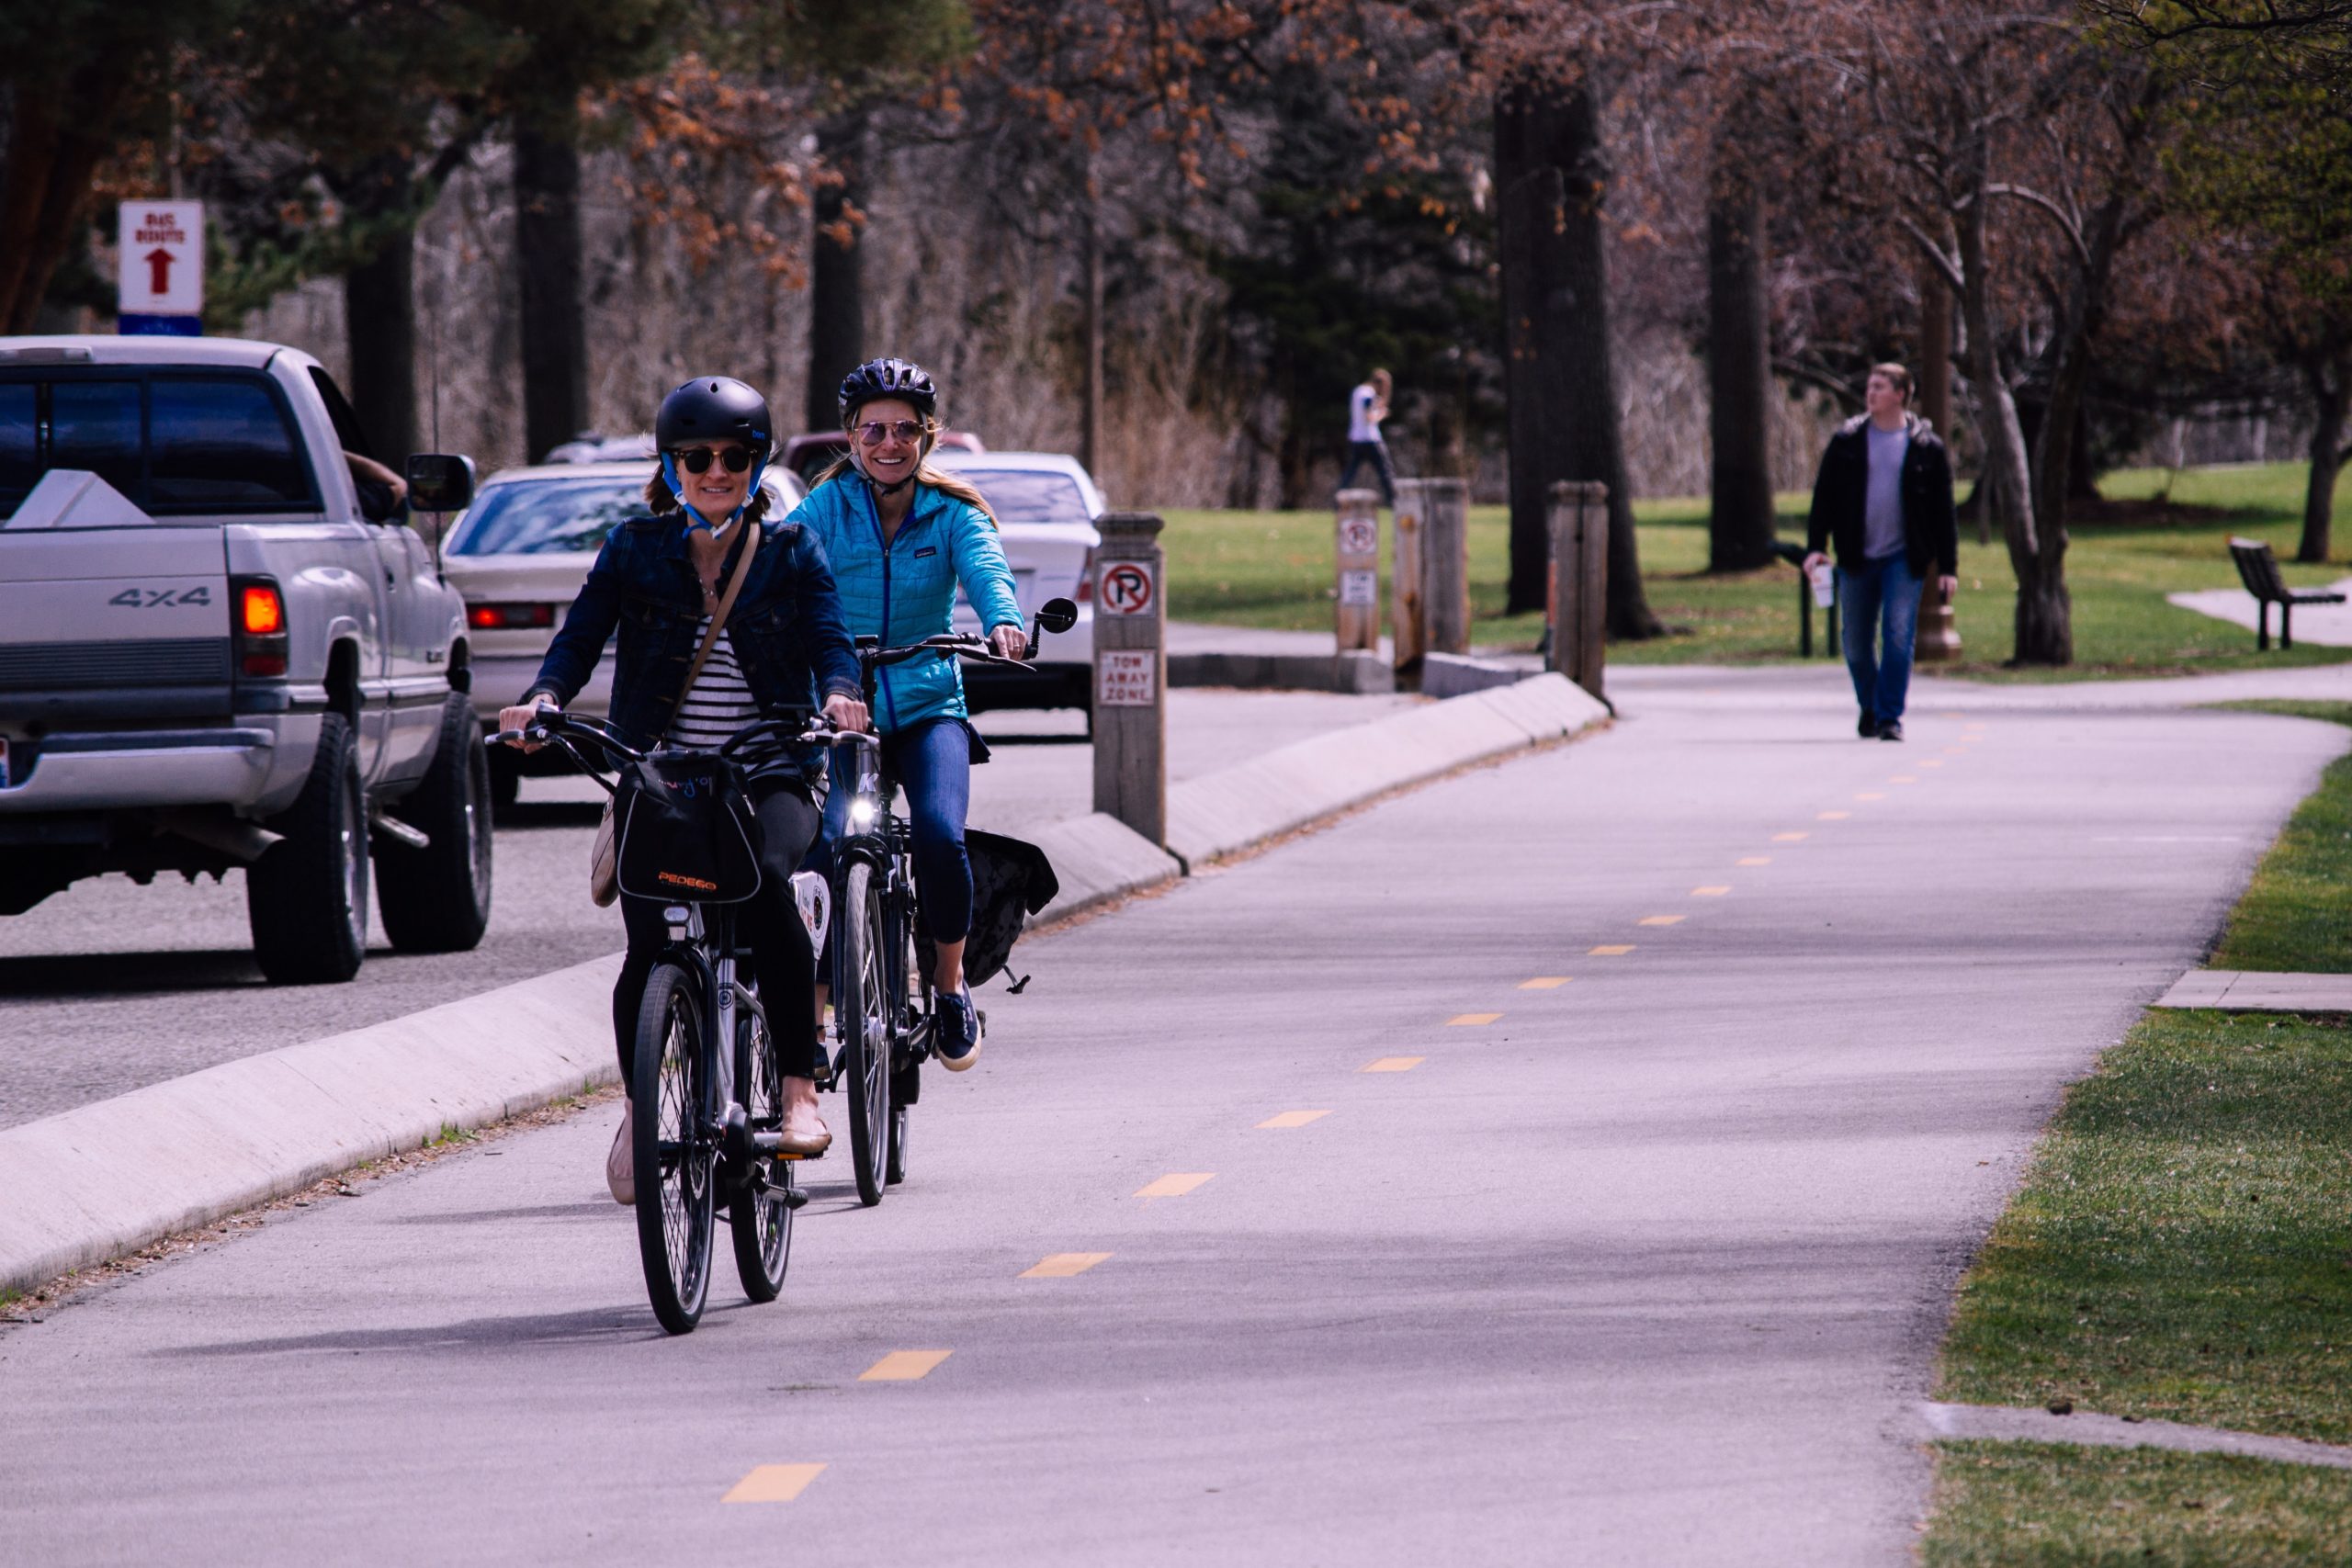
[2005, 1424]
[1238, 807]
[105, 1179]
[1457, 674]
[1356, 674]
[100, 1180]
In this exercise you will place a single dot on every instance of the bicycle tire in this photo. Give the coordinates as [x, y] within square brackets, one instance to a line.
[757, 1215]
[906, 1072]
[866, 1029]
[672, 1152]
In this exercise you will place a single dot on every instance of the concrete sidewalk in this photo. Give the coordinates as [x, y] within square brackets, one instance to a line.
[2243, 990]
[2328, 624]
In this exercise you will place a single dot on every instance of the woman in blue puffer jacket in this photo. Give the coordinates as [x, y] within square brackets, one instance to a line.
[900, 536]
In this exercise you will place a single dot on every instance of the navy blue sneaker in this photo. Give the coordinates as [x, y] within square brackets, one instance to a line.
[957, 1029]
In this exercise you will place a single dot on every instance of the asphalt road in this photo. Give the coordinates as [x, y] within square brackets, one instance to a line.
[1644, 1266]
[109, 985]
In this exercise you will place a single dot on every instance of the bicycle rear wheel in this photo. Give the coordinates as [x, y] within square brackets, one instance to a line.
[866, 1029]
[757, 1214]
[673, 1151]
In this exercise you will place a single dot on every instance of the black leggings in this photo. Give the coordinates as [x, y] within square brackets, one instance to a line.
[769, 923]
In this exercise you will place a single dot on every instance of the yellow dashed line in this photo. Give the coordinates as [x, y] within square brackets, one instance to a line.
[1544, 983]
[1955, 751]
[1294, 1118]
[1931, 762]
[1871, 795]
[1710, 892]
[1176, 1185]
[1613, 949]
[1062, 1265]
[1756, 860]
[1903, 778]
[1394, 1064]
[1789, 837]
[903, 1366]
[1657, 921]
[773, 1483]
[1833, 816]
[1471, 1020]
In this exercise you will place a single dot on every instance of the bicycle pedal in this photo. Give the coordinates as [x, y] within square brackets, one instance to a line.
[794, 1197]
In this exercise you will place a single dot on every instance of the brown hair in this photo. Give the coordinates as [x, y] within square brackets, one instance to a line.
[1896, 377]
[1379, 379]
[939, 479]
[663, 500]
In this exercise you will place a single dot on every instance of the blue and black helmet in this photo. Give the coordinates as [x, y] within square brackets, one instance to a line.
[892, 378]
[715, 408]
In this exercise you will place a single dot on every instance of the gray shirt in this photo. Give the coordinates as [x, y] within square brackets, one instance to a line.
[1883, 505]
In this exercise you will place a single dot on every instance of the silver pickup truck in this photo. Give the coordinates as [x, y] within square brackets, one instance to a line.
[211, 658]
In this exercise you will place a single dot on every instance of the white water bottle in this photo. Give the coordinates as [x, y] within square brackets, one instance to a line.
[1825, 583]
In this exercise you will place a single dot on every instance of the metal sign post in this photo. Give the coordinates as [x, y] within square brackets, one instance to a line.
[1131, 673]
[159, 268]
[1356, 558]
[1580, 581]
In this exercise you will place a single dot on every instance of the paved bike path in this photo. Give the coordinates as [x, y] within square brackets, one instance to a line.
[1647, 1268]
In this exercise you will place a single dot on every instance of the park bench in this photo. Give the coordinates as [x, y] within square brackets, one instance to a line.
[2258, 568]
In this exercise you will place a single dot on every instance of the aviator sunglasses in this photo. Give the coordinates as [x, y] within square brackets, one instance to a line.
[871, 432]
[697, 459]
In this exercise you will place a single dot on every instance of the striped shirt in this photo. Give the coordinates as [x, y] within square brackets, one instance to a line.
[719, 703]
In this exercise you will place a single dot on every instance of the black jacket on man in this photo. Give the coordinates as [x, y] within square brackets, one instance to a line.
[1840, 492]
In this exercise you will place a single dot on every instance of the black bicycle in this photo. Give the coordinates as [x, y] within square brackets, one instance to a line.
[706, 1120]
[883, 1006]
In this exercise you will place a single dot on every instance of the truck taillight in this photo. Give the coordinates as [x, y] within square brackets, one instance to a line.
[1086, 581]
[261, 629]
[509, 618]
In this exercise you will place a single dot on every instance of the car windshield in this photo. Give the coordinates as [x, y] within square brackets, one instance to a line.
[1018, 495]
[532, 517]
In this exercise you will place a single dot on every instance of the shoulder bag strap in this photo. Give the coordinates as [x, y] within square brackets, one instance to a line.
[718, 617]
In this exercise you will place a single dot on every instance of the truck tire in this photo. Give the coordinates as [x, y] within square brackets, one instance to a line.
[307, 896]
[437, 899]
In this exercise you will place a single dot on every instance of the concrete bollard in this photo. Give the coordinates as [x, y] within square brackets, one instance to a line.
[1580, 597]
[1356, 563]
[1131, 673]
[1445, 564]
[1408, 631]
[1939, 637]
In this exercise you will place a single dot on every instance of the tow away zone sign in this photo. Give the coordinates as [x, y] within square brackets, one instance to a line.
[159, 267]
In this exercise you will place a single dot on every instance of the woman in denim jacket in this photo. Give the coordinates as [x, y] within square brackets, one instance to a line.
[901, 536]
[658, 581]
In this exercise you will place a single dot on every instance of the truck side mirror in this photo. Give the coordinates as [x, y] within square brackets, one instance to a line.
[440, 481]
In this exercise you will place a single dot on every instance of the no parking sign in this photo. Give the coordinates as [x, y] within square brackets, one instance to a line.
[1126, 588]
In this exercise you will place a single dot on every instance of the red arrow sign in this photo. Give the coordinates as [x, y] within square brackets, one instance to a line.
[159, 270]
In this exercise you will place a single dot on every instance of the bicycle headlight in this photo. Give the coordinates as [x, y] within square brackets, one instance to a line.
[860, 812]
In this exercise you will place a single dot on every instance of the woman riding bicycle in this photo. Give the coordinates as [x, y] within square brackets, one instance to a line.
[659, 579]
[901, 535]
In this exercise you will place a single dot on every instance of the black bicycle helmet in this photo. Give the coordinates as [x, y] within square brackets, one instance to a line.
[892, 378]
[715, 408]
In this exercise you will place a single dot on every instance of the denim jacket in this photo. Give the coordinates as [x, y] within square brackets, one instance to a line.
[785, 627]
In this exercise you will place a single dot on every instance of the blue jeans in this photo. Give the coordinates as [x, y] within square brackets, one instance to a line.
[934, 764]
[1884, 594]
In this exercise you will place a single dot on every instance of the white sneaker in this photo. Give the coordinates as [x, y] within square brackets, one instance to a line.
[620, 1166]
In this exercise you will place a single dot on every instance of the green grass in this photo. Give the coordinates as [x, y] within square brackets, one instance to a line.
[2182, 1250]
[2159, 533]
[2042, 1504]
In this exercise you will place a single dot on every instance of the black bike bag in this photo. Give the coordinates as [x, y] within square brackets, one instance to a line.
[687, 831]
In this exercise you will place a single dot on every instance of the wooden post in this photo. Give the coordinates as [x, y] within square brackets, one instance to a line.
[1356, 564]
[1580, 581]
[1131, 673]
[1409, 632]
[1445, 565]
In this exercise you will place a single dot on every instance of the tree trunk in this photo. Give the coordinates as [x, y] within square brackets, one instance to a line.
[548, 256]
[2044, 627]
[2331, 388]
[836, 275]
[1739, 378]
[1935, 352]
[1552, 179]
[58, 133]
[380, 317]
[1090, 429]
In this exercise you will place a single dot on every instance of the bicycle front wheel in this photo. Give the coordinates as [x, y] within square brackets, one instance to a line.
[674, 1151]
[866, 1030]
[758, 1215]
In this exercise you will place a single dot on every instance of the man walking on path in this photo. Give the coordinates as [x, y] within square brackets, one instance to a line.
[1367, 406]
[1884, 498]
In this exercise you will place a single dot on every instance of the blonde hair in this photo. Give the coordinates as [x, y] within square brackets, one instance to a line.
[665, 500]
[939, 479]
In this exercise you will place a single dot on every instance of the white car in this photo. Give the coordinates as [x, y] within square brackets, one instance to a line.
[1045, 504]
[519, 555]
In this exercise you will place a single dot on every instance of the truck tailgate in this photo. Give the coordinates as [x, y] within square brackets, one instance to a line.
[129, 622]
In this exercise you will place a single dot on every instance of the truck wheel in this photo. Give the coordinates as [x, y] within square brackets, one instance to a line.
[437, 899]
[307, 896]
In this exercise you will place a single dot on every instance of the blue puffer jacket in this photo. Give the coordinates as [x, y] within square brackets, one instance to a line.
[906, 591]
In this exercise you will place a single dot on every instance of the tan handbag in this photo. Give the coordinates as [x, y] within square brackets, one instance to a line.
[604, 858]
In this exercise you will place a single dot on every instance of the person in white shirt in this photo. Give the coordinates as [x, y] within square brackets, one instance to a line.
[1367, 406]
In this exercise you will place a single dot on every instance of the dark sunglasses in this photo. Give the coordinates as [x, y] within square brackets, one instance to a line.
[874, 430]
[696, 459]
